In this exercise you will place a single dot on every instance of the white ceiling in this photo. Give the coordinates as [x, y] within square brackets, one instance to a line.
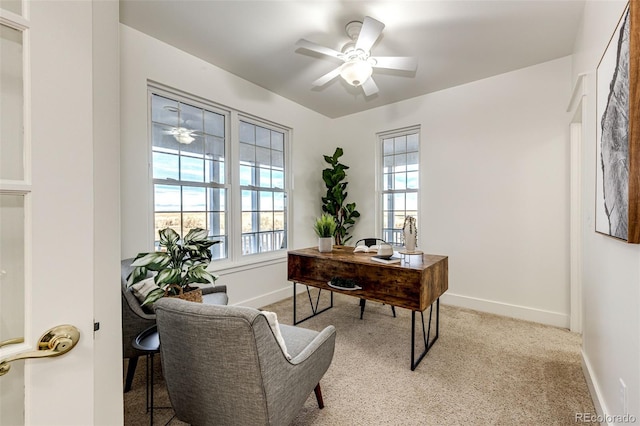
[455, 41]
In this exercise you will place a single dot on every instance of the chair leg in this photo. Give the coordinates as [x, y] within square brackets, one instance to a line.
[131, 370]
[393, 309]
[318, 393]
[363, 302]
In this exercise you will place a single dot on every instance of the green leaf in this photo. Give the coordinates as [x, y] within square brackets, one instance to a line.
[168, 237]
[153, 261]
[152, 296]
[169, 276]
[137, 275]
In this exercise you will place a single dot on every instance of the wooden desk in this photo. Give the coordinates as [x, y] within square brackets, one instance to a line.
[414, 286]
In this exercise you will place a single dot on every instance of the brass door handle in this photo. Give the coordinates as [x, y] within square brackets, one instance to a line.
[55, 342]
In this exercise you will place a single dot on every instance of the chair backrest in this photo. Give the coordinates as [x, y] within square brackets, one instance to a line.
[210, 361]
[370, 241]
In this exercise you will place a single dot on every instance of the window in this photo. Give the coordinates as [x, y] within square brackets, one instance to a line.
[399, 180]
[195, 182]
[262, 186]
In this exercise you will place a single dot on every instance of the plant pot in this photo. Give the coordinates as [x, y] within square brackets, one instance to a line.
[325, 244]
[191, 296]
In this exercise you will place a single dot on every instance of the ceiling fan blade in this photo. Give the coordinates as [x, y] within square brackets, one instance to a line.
[369, 87]
[309, 45]
[327, 77]
[371, 30]
[404, 63]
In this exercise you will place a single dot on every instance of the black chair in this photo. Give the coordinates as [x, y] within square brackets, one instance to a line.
[370, 242]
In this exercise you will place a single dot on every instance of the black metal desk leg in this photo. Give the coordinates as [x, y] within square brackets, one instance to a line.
[314, 308]
[425, 334]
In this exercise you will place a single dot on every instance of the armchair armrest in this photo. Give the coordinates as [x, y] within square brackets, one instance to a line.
[222, 288]
[326, 334]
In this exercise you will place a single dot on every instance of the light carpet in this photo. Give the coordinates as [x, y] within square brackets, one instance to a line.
[483, 370]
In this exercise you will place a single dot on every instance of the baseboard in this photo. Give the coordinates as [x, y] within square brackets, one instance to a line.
[266, 299]
[514, 311]
[594, 389]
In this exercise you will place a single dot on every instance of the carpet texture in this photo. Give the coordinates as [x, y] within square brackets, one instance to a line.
[483, 370]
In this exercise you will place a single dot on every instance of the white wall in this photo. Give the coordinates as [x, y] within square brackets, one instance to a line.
[144, 58]
[494, 186]
[610, 268]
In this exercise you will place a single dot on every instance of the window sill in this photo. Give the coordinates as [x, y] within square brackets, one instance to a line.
[226, 267]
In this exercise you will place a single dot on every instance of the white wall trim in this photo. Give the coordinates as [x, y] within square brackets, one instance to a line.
[555, 319]
[579, 90]
[266, 298]
[594, 389]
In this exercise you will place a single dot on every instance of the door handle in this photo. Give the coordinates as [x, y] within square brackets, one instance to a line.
[55, 342]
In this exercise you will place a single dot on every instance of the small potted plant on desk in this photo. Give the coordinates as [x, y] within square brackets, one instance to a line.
[177, 266]
[325, 227]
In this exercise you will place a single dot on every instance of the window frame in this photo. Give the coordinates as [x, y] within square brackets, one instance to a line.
[380, 191]
[234, 260]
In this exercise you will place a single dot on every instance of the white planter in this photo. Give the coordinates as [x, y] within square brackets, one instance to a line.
[410, 241]
[325, 244]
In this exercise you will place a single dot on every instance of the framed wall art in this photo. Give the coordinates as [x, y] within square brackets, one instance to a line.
[618, 131]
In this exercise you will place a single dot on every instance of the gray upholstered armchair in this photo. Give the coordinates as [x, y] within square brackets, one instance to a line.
[223, 365]
[135, 319]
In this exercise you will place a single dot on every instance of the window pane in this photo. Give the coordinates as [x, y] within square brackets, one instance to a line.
[412, 201]
[249, 200]
[400, 144]
[12, 249]
[247, 133]
[277, 141]
[412, 142]
[400, 162]
[278, 221]
[167, 220]
[263, 137]
[266, 201]
[214, 124]
[247, 153]
[192, 118]
[163, 139]
[277, 179]
[400, 181]
[278, 201]
[388, 163]
[165, 166]
[214, 148]
[247, 222]
[11, 105]
[167, 198]
[412, 180]
[263, 156]
[387, 181]
[277, 159]
[398, 202]
[413, 160]
[264, 178]
[194, 198]
[216, 200]
[217, 225]
[387, 146]
[193, 220]
[214, 171]
[246, 175]
[192, 169]
[266, 221]
[164, 111]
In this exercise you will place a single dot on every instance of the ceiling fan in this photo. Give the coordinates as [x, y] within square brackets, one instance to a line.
[182, 135]
[358, 62]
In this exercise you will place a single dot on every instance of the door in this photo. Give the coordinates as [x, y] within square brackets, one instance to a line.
[59, 210]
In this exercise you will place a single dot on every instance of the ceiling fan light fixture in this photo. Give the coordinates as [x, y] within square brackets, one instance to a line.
[183, 135]
[356, 72]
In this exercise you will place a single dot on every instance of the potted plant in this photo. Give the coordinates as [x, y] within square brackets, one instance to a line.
[178, 265]
[325, 227]
[334, 203]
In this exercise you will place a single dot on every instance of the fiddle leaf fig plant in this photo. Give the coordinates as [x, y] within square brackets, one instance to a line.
[334, 203]
[178, 265]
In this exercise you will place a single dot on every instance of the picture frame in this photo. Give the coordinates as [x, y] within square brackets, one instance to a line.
[618, 131]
